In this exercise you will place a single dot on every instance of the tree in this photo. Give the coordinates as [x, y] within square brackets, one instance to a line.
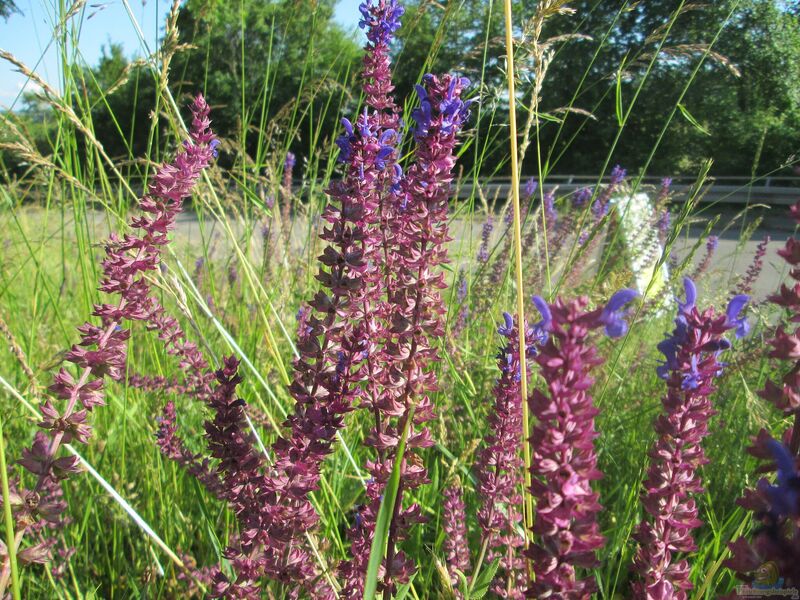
[7, 8]
[266, 65]
[739, 117]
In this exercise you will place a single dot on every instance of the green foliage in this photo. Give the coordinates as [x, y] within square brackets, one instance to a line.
[7, 8]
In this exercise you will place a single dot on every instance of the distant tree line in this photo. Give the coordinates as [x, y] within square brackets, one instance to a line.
[282, 73]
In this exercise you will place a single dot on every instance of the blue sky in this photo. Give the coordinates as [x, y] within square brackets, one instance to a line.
[28, 36]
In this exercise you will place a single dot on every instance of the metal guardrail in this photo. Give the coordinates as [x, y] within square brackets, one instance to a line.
[778, 191]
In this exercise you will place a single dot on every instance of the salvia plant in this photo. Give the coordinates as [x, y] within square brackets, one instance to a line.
[519, 511]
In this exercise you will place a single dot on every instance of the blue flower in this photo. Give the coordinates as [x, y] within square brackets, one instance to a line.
[530, 187]
[423, 114]
[733, 320]
[508, 326]
[213, 145]
[613, 315]
[617, 175]
[544, 325]
[691, 295]
[784, 498]
[381, 20]
[397, 179]
[345, 142]
[383, 155]
[691, 380]
[462, 286]
[581, 197]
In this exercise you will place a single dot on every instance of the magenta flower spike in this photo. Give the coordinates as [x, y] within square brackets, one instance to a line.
[565, 528]
[101, 351]
[691, 365]
[711, 248]
[775, 506]
[755, 268]
[456, 545]
[415, 312]
[499, 468]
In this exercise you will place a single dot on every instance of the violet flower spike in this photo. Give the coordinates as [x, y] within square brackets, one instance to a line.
[456, 545]
[486, 234]
[530, 188]
[566, 532]
[499, 468]
[420, 227]
[775, 538]
[101, 351]
[691, 365]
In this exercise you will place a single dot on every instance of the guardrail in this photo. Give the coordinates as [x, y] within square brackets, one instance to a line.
[778, 191]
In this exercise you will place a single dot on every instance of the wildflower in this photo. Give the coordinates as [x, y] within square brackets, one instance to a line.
[601, 205]
[564, 460]
[581, 196]
[612, 315]
[456, 545]
[551, 215]
[775, 506]
[500, 470]
[691, 365]
[530, 188]
[461, 296]
[415, 306]
[754, 270]
[101, 352]
[486, 234]
[784, 498]
[711, 247]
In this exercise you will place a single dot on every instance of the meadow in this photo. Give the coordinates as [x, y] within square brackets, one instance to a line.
[278, 376]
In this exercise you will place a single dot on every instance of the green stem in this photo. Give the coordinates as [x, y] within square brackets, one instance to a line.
[11, 545]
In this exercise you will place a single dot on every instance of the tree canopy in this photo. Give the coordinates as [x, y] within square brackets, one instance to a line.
[715, 80]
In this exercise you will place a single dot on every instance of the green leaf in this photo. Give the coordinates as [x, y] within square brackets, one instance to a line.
[685, 112]
[485, 578]
[385, 513]
[403, 590]
[463, 584]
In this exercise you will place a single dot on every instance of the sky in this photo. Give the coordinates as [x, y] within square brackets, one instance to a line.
[28, 36]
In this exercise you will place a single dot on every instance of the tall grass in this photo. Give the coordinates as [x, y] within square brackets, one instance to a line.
[139, 518]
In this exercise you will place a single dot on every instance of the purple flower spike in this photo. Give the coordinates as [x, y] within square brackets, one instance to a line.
[530, 188]
[410, 323]
[101, 353]
[380, 19]
[612, 315]
[486, 234]
[581, 197]
[776, 509]
[691, 366]
[456, 544]
[564, 462]
[500, 469]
